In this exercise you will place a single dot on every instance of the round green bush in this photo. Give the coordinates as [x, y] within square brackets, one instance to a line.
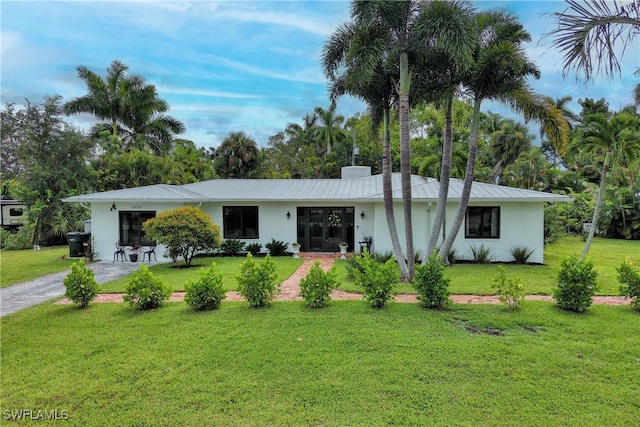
[145, 290]
[206, 292]
[317, 285]
[81, 284]
[576, 284]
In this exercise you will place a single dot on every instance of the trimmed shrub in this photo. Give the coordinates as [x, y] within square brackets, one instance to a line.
[206, 292]
[511, 291]
[430, 283]
[521, 254]
[481, 254]
[576, 284]
[382, 257]
[81, 284]
[146, 291]
[277, 247]
[254, 248]
[257, 282]
[232, 247]
[629, 280]
[377, 280]
[317, 285]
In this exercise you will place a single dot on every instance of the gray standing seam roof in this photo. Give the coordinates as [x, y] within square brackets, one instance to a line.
[362, 189]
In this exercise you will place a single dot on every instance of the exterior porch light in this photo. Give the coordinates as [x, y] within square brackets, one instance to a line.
[113, 207]
[362, 215]
[288, 214]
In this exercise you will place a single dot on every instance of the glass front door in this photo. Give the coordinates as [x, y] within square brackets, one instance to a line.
[322, 229]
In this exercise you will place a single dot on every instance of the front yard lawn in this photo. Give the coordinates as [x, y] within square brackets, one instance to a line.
[19, 266]
[476, 279]
[176, 275]
[344, 365]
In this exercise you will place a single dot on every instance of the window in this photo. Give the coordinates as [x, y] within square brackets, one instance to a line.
[482, 222]
[240, 222]
[131, 228]
[15, 211]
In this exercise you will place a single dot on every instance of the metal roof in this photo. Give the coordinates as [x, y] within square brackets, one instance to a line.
[361, 189]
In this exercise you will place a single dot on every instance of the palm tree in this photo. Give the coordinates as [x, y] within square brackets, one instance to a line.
[614, 141]
[237, 156]
[506, 145]
[499, 72]
[446, 35]
[330, 127]
[348, 64]
[131, 107]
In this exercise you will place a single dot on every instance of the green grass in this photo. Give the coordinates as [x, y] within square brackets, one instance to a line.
[606, 254]
[344, 365]
[176, 276]
[19, 266]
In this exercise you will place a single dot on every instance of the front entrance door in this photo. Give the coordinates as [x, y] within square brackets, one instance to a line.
[322, 229]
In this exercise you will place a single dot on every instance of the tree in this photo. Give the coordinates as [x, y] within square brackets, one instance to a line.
[499, 72]
[588, 33]
[506, 145]
[352, 69]
[132, 108]
[330, 129]
[614, 141]
[184, 231]
[51, 160]
[237, 156]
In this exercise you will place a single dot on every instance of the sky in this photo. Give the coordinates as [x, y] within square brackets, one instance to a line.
[224, 66]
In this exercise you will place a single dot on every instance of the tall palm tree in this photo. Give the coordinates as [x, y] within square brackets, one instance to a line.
[445, 34]
[237, 156]
[347, 62]
[131, 107]
[330, 127]
[506, 145]
[615, 140]
[395, 23]
[499, 72]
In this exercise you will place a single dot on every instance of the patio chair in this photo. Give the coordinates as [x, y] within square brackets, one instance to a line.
[119, 251]
[151, 250]
[366, 244]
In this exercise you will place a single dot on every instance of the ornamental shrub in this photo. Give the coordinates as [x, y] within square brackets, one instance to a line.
[206, 292]
[81, 284]
[184, 231]
[511, 291]
[629, 280]
[430, 283]
[257, 282]
[276, 247]
[232, 247]
[317, 285]
[377, 280]
[521, 254]
[576, 284]
[145, 290]
[254, 248]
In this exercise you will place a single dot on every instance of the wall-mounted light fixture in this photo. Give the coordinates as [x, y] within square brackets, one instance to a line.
[288, 214]
[113, 207]
[362, 214]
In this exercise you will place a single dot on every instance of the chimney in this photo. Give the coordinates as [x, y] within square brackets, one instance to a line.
[355, 172]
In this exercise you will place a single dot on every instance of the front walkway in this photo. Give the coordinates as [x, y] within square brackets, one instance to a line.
[290, 289]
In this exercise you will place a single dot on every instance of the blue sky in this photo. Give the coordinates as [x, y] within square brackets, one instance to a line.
[227, 66]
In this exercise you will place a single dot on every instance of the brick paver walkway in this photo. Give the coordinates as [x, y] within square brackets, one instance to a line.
[290, 290]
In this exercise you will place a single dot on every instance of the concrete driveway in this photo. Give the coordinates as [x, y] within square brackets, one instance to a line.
[22, 295]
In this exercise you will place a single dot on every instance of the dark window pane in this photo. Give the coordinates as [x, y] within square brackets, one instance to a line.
[131, 232]
[482, 222]
[240, 222]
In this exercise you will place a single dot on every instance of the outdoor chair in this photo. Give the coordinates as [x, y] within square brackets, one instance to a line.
[151, 250]
[119, 251]
[366, 244]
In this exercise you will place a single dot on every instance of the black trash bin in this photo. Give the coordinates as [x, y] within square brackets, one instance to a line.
[77, 241]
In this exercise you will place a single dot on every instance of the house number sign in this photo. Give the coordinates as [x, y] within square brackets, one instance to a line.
[136, 206]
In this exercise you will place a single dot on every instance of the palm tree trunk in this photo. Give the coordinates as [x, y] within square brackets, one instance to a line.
[445, 175]
[387, 192]
[596, 211]
[466, 189]
[405, 159]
